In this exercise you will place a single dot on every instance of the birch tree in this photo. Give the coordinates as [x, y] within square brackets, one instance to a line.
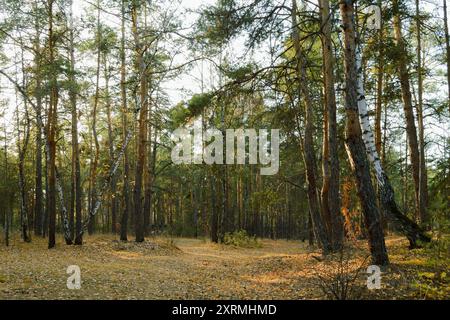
[405, 225]
[354, 141]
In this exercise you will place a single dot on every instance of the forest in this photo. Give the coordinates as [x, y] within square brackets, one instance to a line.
[119, 122]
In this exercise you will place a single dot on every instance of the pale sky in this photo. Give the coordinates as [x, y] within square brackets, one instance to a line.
[189, 82]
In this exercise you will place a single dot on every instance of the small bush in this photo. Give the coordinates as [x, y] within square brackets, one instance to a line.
[240, 238]
[339, 280]
[169, 242]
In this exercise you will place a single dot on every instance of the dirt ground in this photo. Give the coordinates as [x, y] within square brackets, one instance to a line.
[179, 268]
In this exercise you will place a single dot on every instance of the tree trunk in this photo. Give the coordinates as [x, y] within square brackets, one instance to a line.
[126, 166]
[22, 152]
[151, 167]
[76, 170]
[309, 153]
[142, 135]
[52, 122]
[151, 148]
[224, 221]
[331, 178]
[405, 225]
[112, 193]
[423, 180]
[355, 145]
[380, 78]
[93, 174]
[408, 108]
[38, 94]
[214, 215]
[447, 47]
[7, 195]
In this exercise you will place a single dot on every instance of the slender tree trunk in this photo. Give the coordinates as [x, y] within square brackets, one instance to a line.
[405, 178]
[23, 194]
[112, 193]
[223, 227]
[22, 188]
[148, 172]
[380, 78]
[225, 210]
[126, 166]
[331, 181]
[324, 194]
[309, 153]
[8, 215]
[379, 98]
[93, 175]
[76, 192]
[38, 184]
[22, 152]
[423, 177]
[447, 47]
[149, 175]
[38, 94]
[214, 215]
[408, 108]
[151, 167]
[142, 135]
[355, 145]
[153, 171]
[7, 195]
[52, 123]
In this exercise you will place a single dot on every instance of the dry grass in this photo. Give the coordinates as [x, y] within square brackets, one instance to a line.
[163, 268]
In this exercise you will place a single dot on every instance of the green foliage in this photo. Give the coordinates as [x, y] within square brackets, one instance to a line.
[183, 112]
[198, 103]
[241, 239]
[221, 22]
[178, 115]
[240, 74]
[266, 198]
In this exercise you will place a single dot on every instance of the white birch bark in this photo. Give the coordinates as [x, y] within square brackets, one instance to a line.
[368, 137]
[405, 225]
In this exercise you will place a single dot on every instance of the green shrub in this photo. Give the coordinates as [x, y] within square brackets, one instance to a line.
[240, 238]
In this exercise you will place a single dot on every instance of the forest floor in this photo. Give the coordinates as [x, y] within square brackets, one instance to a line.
[180, 268]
